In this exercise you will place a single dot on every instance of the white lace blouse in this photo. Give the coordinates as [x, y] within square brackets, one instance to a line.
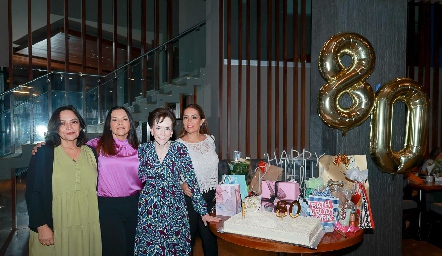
[205, 162]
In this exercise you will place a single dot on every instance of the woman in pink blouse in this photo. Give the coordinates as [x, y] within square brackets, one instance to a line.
[118, 182]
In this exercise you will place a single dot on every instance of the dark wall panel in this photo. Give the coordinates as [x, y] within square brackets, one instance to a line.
[384, 24]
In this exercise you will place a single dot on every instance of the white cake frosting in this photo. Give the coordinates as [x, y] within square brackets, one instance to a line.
[304, 231]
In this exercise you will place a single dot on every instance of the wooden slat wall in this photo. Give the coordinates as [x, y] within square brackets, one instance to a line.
[269, 89]
[296, 122]
[248, 100]
[426, 68]
[303, 96]
[258, 73]
[273, 88]
[229, 73]
[221, 65]
[241, 114]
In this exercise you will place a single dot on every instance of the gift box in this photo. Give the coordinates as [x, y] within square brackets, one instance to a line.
[237, 179]
[264, 171]
[228, 199]
[324, 206]
[274, 191]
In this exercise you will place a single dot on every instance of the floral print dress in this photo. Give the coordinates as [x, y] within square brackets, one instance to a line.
[163, 225]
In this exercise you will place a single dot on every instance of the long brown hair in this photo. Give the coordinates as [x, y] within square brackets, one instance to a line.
[106, 144]
[204, 128]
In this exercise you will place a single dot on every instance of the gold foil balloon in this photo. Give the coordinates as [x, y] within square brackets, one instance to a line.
[346, 80]
[409, 92]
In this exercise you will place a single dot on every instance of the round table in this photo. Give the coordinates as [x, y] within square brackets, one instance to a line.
[330, 242]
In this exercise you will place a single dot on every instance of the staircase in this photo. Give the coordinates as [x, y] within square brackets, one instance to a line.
[170, 93]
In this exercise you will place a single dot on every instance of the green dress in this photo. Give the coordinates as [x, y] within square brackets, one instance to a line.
[74, 207]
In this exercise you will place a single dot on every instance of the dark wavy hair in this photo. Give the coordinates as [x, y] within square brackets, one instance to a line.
[204, 129]
[158, 115]
[53, 138]
[106, 144]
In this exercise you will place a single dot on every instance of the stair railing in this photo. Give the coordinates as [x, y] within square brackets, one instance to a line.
[25, 109]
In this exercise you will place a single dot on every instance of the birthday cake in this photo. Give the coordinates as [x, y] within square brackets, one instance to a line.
[303, 231]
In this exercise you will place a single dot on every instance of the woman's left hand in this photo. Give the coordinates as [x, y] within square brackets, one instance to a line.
[186, 189]
[207, 218]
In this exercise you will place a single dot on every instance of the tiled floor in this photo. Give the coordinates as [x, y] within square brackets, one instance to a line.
[18, 240]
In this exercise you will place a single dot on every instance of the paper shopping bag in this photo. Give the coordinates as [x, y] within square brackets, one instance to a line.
[352, 170]
[269, 172]
[324, 206]
[228, 199]
[237, 179]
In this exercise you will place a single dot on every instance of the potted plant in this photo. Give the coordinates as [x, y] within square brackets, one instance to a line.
[437, 169]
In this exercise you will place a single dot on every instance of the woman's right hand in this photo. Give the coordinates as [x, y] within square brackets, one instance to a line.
[35, 148]
[45, 235]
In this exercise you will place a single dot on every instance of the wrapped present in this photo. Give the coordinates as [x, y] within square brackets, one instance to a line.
[324, 206]
[312, 184]
[274, 191]
[264, 171]
[237, 179]
[228, 199]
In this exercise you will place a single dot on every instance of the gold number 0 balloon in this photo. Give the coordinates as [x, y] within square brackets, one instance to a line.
[409, 92]
[343, 80]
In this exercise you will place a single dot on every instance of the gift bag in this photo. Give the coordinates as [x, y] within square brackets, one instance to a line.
[324, 206]
[267, 172]
[365, 215]
[228, 199]
[352, 170]
[237, 179]
[274, 191]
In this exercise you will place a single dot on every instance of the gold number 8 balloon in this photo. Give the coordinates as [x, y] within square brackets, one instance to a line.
[342, 80]
[381, 129]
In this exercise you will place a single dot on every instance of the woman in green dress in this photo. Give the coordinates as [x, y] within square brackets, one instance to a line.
[61, 191]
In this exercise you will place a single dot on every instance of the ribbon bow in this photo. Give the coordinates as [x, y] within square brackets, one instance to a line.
[344, 159]
[262, 166]
[356, 174]
[276, 193]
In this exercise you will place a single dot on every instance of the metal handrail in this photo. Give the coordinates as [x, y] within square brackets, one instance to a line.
[196, 27]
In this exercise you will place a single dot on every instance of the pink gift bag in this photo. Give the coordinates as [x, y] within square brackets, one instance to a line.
[228, 199]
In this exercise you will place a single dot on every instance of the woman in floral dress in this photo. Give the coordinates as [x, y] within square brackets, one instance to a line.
[163, 224]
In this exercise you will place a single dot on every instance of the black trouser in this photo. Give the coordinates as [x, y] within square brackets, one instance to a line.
[118, 221]
[208, 239]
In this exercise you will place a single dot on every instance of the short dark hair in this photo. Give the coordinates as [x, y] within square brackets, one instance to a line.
[53, 138]
[106, 143]
[158, 115]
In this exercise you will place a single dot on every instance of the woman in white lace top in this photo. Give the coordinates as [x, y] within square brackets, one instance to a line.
[201, 146]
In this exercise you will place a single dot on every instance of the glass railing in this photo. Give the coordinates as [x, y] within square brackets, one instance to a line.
[25, 110]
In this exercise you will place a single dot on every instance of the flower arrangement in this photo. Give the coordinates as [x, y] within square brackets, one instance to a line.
[437, 169]
[239, 167]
